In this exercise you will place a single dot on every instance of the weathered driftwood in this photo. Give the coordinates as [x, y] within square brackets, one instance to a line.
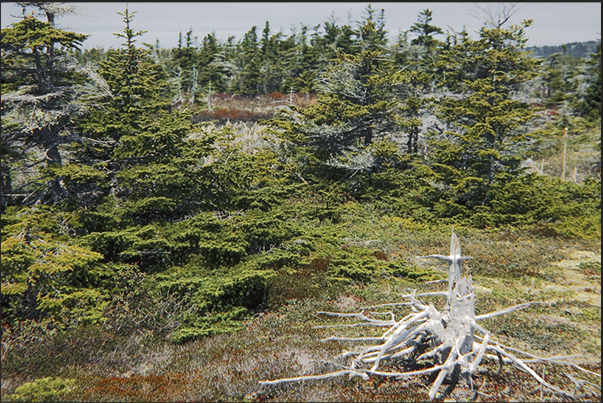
[451, 340]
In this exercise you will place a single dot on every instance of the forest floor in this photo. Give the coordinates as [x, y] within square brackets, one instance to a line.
[282, 342]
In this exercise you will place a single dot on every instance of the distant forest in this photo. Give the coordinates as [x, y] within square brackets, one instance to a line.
[573, 49]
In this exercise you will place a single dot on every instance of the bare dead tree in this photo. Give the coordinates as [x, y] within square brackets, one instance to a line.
[450, 343]
[495, 15]
[51, 9]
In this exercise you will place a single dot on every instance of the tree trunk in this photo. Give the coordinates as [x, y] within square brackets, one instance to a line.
[368, 136]
[412, 144]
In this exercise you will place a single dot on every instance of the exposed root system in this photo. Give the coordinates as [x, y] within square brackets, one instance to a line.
[447, 343]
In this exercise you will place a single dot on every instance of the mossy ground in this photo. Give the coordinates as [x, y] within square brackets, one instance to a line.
[281, 341]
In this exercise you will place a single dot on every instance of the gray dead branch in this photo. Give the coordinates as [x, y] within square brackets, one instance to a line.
[447, 343]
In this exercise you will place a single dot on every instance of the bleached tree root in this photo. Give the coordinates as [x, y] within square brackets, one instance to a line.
[450, 343]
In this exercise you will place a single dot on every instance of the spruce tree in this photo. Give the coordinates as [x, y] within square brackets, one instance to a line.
[211, 77]
[358, 95]
[248, 80]
[591, 101]
[40, 95]
[423, 51]
[136, 130]
[47, 272]
[425, 31]
[186, 64]
[485, 120]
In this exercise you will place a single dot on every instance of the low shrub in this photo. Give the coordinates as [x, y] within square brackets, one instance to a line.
[46, 389]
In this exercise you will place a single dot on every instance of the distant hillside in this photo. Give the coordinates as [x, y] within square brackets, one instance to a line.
[575, 49]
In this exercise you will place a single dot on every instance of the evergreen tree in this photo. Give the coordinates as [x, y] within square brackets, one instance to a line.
[371, 34]
[303, 62]
[40, 96]
[46, 272]
[592, 98]
[487, 125]
[249, 77]
[418, 58]
[356, 105]
[424, 48]
[425, 31]
[211, 77]
[138, 90]
[136, 125]
[186, 66]
[276, 72]
[268, 53]
[226, 63]
[560, 79]
[336, 38]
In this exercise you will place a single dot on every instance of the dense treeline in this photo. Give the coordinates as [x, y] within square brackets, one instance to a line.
[118, 210]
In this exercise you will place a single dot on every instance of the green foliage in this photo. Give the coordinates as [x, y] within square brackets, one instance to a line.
[219, 299]
[47, 389]
[565, 208]
[222, 322]
[45, 272]
[425, 31]
[25, 42]
[573, 85]
[355, 107]
[488, 125]
[592, 266]
[42, 93]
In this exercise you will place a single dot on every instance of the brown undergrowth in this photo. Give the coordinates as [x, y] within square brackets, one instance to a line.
[237, 108]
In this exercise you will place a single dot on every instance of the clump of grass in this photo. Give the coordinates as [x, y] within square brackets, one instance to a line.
[590, 267]
[541, 334]
[311, 281]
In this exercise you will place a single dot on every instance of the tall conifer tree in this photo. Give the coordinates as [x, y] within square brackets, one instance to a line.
[487, 124]
[39, 99]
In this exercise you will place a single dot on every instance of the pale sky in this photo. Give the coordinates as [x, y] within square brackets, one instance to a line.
[554, 23]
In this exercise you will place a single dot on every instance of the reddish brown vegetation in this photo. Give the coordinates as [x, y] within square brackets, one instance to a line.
[238, 108]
